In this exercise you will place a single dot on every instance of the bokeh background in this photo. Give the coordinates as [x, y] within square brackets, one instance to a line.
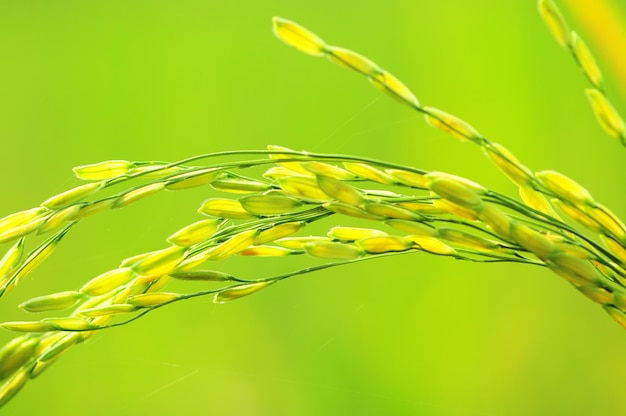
[82, 82]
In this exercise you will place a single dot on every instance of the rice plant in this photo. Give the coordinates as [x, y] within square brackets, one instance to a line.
[278, 200]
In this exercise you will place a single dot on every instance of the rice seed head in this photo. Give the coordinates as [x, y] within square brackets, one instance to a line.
[607, 116]
[377, 245]
[58, 218]
[508, 164]
[350, 210]
[298, 243]
[452, 124]
[577, 271]
[294, 166]
[455, 191]
[151, 300]
[203, 275]
[108, 281]
[449, 207]
[331, 250]
[12, 386]
[92, 208]
[325, 169]
[59, 347]
[424, 207]
[72, 195]
[393, 87]
[586, 60]
[21, 218]
[466, 239]
[233, 245]
[616, 314]
[160, 262]
[565, 188]
[22, 230]
[102, 171]
[532, 240]
[353, 233]
[303, 187]
[609, 222]
[114, 309]
[386, 210]
[431, 245]
[614, 247]
[240, 186]
[597, 294]
[496, 219]
[11, 259]
[195, 233]
[269, 204]
[340, 191]
[278, 231]
[224, 208]
[55, 301]
[412, 227]
[18, 354]
[406, 178]
[240, 291]
[554, 20]
[68, 324]
[366, 171]
[28, 326]
[537, 200]
[266, 251]
[352, 60]
[191, 179]
[298, 37]
[137, 194]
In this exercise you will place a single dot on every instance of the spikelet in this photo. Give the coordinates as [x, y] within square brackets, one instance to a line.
[55, 301]
[298, 37]
[407, 178]
[337, 251]
[555, 22]
[340, 191]
[537, 200]
[224, 208]
[103, 170]
[301, 186]
[191, 179]
[454, 191]
[508, 164]
[151, 300]
[376, 245]
[58, 218]
[325, 169]
[386, 210]
[532, 240]
[137, 194]
[194, 233]
[451, 124]
[10, 260]
[606, 114]
[108, 281]
[369, 172]
[266, 251]
[496, 219]
[239, 186]
[352, 60]
[393, 87]
[269, 204]
[233, 245]
[353, 233]
[278, 231]
[431, 245]
[73, 195]
[240, 291]
[565, 188]
[351, 211]
[203, 275]
[413, 227]
[160, 262]
[586, 61]
[466, 239]
[298, 243]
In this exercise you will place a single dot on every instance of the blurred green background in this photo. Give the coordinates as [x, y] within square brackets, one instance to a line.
[82, 82]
